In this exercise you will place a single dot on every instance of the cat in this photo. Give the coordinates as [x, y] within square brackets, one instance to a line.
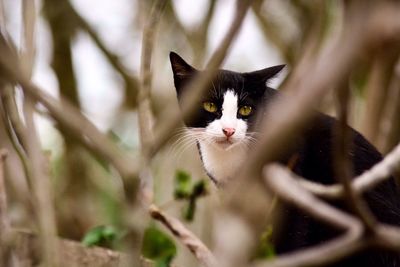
[225, 128]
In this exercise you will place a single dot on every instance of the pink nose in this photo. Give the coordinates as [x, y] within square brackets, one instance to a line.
[228, 131]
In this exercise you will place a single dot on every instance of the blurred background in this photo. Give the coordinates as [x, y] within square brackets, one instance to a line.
[90, 50]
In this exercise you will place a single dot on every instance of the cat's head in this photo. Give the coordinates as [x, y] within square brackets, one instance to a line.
[227, 111]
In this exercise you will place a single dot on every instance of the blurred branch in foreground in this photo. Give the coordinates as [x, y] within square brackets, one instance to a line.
[313, 77]
[192, 242]
[145, 113]
[321, 59]
[289, 190]
[377, 174]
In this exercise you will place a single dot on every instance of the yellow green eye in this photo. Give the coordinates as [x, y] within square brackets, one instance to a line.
[210, 107]
[245, 110]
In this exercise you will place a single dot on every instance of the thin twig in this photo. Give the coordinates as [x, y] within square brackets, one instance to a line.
[387, 236]
[39, 172]
[288, 189]
[67, 115]
[44, 199]
[343, 167]
[191, 241]
[197, 37]
[281, 182]
[321, 255]
[377, 174]
[273, 33]
[27, 36]
[131, 82]
[146, 117]
[4, 220]
[17, 134]
[377, 91]
[145, 114]
[389, 136]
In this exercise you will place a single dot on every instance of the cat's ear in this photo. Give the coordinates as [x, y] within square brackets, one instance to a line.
[182, 70]
[179, 66]
[263, 75]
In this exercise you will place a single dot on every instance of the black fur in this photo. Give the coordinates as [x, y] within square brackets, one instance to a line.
[314, 149]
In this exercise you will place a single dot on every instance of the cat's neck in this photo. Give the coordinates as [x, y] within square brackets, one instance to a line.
[221, 165]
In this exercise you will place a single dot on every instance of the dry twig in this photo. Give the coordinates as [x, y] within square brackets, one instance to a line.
[377, 174]
[278, 179]
[4, 220]
[131, 82]
[390, 134]
[145, 114]
[191, 241]
[343, 167]
[67, 115]
[39, 172]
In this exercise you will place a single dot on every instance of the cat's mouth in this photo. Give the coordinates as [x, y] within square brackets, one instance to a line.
[224, 143]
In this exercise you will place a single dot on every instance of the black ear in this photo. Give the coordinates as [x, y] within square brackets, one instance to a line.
[182, 70]
[261, 76]
[179, 66]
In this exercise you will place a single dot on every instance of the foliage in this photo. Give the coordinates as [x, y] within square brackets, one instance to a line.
[104, 236]
[158, 246]
[186, 190]
[265, 249]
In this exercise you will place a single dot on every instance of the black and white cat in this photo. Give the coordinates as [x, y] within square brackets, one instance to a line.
[224, 128]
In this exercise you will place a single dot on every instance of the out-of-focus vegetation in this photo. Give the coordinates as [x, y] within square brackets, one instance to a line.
[91, 199]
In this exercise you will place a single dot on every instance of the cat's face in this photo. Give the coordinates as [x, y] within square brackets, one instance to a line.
[227, 112]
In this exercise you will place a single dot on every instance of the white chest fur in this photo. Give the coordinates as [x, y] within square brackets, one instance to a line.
[222, 164]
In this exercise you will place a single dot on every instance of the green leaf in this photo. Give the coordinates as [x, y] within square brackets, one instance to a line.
[103, 235]
[186, 190]
[200, 189]
[158, 246]
[266, 249]
[183, 185]
[189, 210]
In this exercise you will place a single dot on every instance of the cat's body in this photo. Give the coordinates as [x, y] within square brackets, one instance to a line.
[225, 126]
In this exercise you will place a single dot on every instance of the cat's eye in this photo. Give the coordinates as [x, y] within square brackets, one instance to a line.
[210, 107]
[245, 110]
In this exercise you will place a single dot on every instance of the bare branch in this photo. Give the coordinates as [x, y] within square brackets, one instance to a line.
[377, 174]
[4, 220]
[44, 202]
[197, 37]
[390, 133]
[42, 190]
[280, 181]
[288, 189]
[273, 33]
[144, 105]
[145, 114]
[343, 167]
[67, 115]
[131, 82]
[387, 236]
[192, 242]
[320, 255]
[377, 91]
